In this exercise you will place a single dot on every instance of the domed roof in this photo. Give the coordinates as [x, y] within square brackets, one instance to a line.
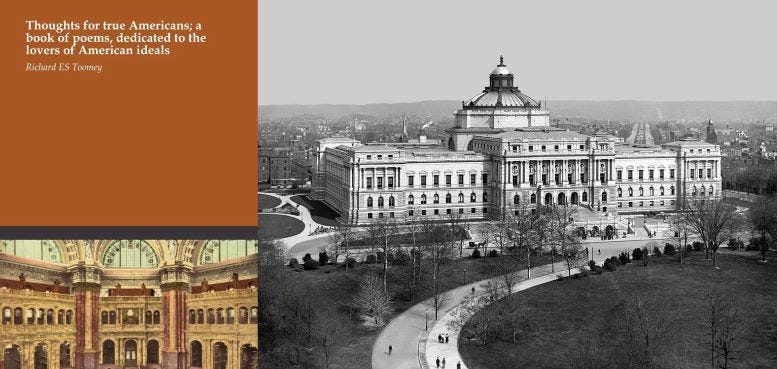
[501, 69]
[503, 98]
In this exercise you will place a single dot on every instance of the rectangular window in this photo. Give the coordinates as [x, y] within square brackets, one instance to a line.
[555, 147]
[631, 204]
[461, 180]
[436, 212]
[448, 211]
[531, 148]
[380, 182]
[485, 179]
[472, 179]
[582, 147]
[368, 158]
[515, 148]
[390, 182]
[671, 173]
[472, 210]
[650, 174]
[410, 180]
[709, 173]
[661, 174]
[485, 210]
[620, 175]
[436, 180]
[423, 181]
[692, 172]
[569, 147]
[410, 213]
[631, 174]
[461, 211]
[701, 173]
[390, 157]
[369, 215]
[515, 180]
[423, 212]
[641, 174]
[379, 158]
[380, 215]
[543, 148]
[391, 214]
[369, 182]
[448, 180]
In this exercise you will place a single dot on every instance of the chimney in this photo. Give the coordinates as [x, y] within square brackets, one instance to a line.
[421, 136]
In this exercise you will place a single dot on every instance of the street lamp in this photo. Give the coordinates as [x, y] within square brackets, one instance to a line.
[465, 275]
[426, 320]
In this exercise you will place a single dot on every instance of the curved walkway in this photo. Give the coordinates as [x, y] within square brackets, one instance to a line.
[304, 238]
[417, 348]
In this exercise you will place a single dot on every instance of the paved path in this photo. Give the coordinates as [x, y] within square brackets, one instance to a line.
[415, 348]
[302, 243]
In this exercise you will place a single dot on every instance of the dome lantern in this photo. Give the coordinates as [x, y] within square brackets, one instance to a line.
[501, 76]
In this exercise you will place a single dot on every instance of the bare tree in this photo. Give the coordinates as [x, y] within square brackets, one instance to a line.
[714, 222]
[723, 327]
[326, 332]
[384, 233]
[340, 241]
[542, 232]
[437, 251]
[564, 237]
[522, 232]
[475, 318]
[497, 231]
[642, 331]
[571, 250]
[372, 298]
[680, 229]
[454, 219]
[763, 218]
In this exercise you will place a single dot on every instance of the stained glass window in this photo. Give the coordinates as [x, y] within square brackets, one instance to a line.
[130, 254]
[215, 251]
[46, 250]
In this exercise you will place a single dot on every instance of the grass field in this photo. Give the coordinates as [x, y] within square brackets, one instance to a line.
[320, 212]
[334, 289]
[268, 202]
[563, 314]
[273, 226]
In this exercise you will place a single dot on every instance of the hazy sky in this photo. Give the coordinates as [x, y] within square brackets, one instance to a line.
[361, 51]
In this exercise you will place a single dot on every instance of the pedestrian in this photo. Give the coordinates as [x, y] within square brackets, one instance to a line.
[473, 289]
[600, 251]
[439, 338]
[390, 348]
[443, 363]
[446, 338]
[438, 361]
[458, 365]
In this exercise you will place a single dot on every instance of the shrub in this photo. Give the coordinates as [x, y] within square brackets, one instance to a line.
[610, 266]
[591, 264]
[624, 258]
[637, 254]
[306, 258]
[323, 258]
[293, 263]
[669, 249]
[371, 259]
[596, 269]
[402, 258]
[493, 253]
[688, 248]
[391, 258]
[698, 246]
[310, 264]
[381, 257]
[755, 244]
[351, 262]
[656, 251]
[475, 253]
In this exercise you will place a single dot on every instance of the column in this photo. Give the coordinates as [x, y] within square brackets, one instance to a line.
[717, 169]
[174, 284]
[86, 283]
[398, 175]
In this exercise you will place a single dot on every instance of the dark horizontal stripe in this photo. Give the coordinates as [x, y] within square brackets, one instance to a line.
[128, 232]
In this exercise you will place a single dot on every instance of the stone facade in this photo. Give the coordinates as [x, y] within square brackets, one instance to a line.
[495, 161]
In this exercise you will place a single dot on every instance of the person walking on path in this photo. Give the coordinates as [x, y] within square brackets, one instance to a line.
[390, 348]
[443, 363]
[458, 365]
[446, 338]
[473, 290]
[438, 361]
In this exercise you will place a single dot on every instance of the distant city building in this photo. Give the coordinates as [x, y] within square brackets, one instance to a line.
[502, 153]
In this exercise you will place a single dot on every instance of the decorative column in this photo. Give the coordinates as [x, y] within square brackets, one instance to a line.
[86, 285]
[175, 286]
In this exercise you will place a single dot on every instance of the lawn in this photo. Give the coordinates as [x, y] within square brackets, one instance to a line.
[273, 226]
[563, 315]
[333, 289]
[268, 202]
[321, 213]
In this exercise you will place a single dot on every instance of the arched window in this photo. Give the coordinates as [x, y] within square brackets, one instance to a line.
[157, 317]
[69, 317]
[220, 318]
[192, 317]
[109, 352]
[7, 317]
[703, 191]
[30, 316]
[485, 196]
[671, 190]
[61, 317]
[650, 191]
[64, 355]
[711, 191]
[200, 316]
[631, 192]
[380, 201]
[410, 200]
[448, 198]
[18, 316]
[130, 254]
[41, 356]
[243, 315]
[620, 192]
[254, 315]
[45, 250]
[423, 199]
[215, 251]
[220, 357]
[694, 191]
[661, 190]
[41, 316]
[211, 316]
[391, 200]
[152, 352]
[369, 202]
[461, 197]
[604, 196]
[585, 196]
[436, 199]
[516, 200]
[230, 316]
[112, 317]
[148, 317]
[473, 197]
[533, 199]
[196, 354]
[641, 192]
[50, 317]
